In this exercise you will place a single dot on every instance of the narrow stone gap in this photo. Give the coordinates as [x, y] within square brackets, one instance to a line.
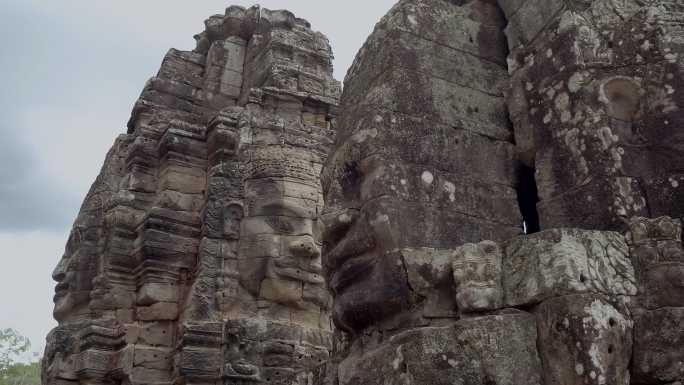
[528, 199]
[526, 190]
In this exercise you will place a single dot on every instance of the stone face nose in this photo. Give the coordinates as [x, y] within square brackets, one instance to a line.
[305, 248]
[59, 273]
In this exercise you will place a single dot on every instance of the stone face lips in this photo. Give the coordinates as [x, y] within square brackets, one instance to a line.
[195, 257]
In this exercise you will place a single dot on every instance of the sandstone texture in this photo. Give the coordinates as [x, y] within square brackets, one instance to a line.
[196, 255]
[596, 98]
[494, 199]
[464, 124]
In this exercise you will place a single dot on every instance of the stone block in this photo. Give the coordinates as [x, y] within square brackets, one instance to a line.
[483, 350]
[153, 292]
[200, 363]
[583, 339]
[143, 375]
[658, 340]
[162, 311]
[529, 19]
[183, 179]
[153, 358]
[430, 276]
[666, 195]
[658, 257]
[601, 204]
[566, 261]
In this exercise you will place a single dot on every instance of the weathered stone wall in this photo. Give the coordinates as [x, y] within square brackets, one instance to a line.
[196, 255]
[423, 143]
[425, 188]
[596, 101]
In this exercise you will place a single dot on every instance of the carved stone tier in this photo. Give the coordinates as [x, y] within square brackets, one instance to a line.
[157, 266]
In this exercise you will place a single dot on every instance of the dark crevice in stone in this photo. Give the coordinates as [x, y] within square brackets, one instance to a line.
[526, 190]
[528, 199]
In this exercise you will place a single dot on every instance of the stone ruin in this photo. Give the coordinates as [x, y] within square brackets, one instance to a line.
[496, 198]
[196, 254]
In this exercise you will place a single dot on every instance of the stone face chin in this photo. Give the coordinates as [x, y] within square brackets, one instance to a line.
[257, 225]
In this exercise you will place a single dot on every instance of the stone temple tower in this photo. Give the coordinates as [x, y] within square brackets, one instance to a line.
[195, 257]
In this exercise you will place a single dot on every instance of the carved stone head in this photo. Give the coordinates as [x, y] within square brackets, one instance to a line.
[232, 218]
[477, 274]
[74, 274]
[259, 351]
[414, 164]
[280, 257]
[396, 183]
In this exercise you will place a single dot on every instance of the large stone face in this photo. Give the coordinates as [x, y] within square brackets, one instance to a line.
[423, 144]
[196, 255]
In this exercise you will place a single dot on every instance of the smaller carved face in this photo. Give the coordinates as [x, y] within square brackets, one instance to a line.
[58, 362]
[477, 274]
[232, 217]
[266, 352]
[664, 228]
[73, 275]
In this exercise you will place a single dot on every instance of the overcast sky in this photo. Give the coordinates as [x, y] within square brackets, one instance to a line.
[72, 70]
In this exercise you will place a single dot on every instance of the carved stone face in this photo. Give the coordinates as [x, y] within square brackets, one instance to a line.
[73, 274]
[477, 273]
[266, 352]
[280, 240]
[398, 182]
[58, 362]
[232, 217]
